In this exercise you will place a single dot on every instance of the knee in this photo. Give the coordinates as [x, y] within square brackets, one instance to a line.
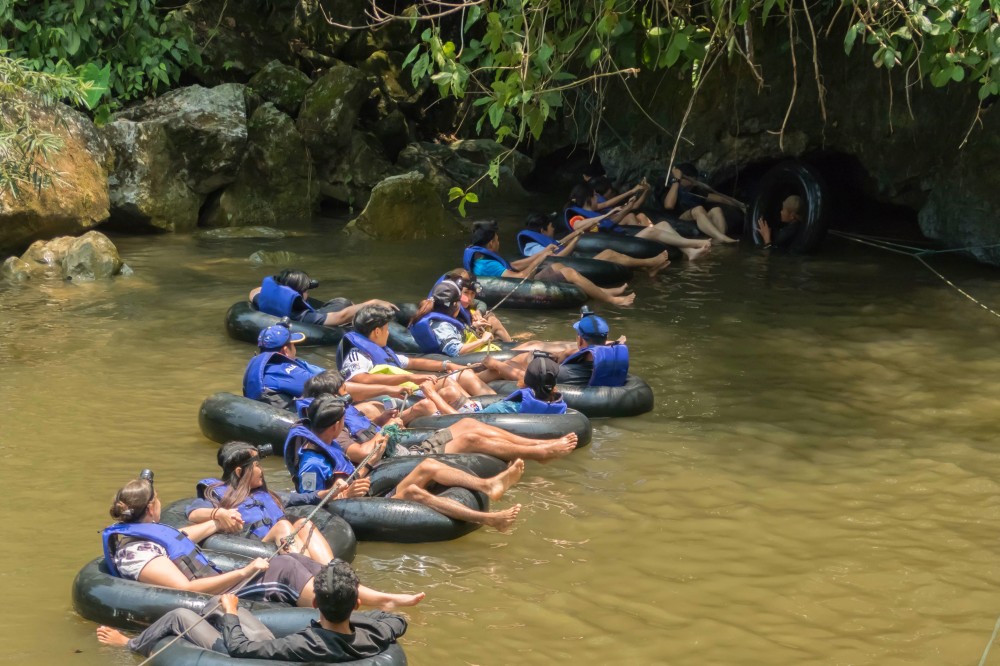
[570, 272]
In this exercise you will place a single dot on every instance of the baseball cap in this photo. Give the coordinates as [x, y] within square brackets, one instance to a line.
[277, 336]
[591, 326]
[540, 375]
[446, 293]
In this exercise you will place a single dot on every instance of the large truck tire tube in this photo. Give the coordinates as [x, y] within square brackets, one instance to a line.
[632, 399]
[640, 248]
[784, 180]
[530, 294]
[600, 272]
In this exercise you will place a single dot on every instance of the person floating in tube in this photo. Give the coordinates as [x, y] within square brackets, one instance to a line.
[788, 225]
[287, 295]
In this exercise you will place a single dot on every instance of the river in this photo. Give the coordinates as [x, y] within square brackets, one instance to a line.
[816, 485]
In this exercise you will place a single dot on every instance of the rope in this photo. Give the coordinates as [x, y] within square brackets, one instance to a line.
[996, 628]
[918, 254]
[284, 543]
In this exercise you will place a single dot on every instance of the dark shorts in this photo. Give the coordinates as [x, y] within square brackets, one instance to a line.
[283, 580]
[549, 274]
[433, 444]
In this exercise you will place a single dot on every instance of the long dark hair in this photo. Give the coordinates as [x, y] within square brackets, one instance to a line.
[580, 195]
[231, 457]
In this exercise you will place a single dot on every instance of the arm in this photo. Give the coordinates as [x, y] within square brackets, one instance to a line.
[161, 571]
[670, 198]
[614, 201]
[346, 316]
[475, 344]
[225, 520]
[388, 380]
[527, 266]
[357, 452]
[238, 645]
[253, 292]
[361, 391]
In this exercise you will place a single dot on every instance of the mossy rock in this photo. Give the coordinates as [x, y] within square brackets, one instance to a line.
[330, 109]
[406, 207]
[282, 85]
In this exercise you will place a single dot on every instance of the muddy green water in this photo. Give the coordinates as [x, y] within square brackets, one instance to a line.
[817, 483]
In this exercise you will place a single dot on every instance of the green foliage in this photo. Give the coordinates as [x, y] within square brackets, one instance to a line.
[128, 49]
[463, 198]
[24, 147]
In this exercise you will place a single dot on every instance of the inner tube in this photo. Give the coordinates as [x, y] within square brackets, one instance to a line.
[784, 180]
[128, 604]
[225, 417]
[640, 248]
[404, 521]
[245, 322]
[530, 294]
[336, 530]
[632, 399]
[600, 272]
[281, 623]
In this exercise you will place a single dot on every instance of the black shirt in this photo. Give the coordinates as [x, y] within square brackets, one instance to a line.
[374, 632]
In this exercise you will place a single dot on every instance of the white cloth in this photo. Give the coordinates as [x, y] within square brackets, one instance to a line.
[133, 557]
[358, 363]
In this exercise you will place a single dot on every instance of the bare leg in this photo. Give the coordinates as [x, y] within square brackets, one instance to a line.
[308, 539]
[112, 637]
[709, 226]
[555, 348]
[541, 450]
[472, 384]
[307, 595]
[433, 471]
[662, 232]
[499, 520]
[282, 530]
[386, 601]
[591, 289]
[512, 369]
[657, 262]
[499, 330]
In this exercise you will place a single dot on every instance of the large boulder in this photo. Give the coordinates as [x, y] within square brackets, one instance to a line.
[447, 167]
[312, 28]
[171, 152]
[282, 85]
[91, 256]
[405, 207]
[330, 109]
[274, 185]
[77, 197]
[362, 167]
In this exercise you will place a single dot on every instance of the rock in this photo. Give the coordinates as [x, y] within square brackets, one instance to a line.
[283, 86]
[171, 152]
[87, 257]
[446, 168]
[15, 269]
[74, 201]
[393, 132]
[406, 207]
[274, 184]
[483, 151]
[92, 256]
[360, 169]
[395, 83]
[330, 109]
[312, 30]
[274, 258]
[228, 233]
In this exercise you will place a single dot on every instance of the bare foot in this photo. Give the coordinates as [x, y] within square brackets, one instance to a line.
[728, 241]
[662, 261]
[556, 449]
[394, 601]
[617, 291]
[502, 520]
[112, 637]
[623, 300]
[505, 479]
[693, 253]
[526, 335]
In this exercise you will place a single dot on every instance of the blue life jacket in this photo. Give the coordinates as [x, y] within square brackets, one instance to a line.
[529, 236]
[180, 549]
[378, 355]
[532, 405]
[607, 224]
[359, 426]
[470, 254]
[279, 300]
[300, 406]
[253, 378]
[422, 333]
[259, 511]
[331, 451]
[610, 363]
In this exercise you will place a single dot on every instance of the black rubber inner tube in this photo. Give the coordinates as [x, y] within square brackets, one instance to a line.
[640, 248]
[336, 530]
[244, 322]
[784, 180]
[530, 294]
[600, 272]
[633, 398]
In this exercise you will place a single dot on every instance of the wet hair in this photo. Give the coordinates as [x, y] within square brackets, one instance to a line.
[580, 195]
[297, 280]
[325, 411]
[538, 221]
[793, 203]
[131, 502]
[233, 456]
[371, 317]
[336, 588]
[327, 382]
[593, 170]
[602, 184]
[688, 169]
[483, 231]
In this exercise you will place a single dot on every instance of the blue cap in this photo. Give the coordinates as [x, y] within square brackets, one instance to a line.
[591, 326]
[277, 336]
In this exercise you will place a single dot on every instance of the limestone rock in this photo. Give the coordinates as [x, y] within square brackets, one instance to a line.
[15, 269]
[283, 86]
[330, 109]
[92, 256]
[228, 233]
[406, 207]
[483, 151]
[311, 28]
[360, 169]
[395, 82]
[77, 199]
[393, 132]
[173, 151]
[447, 168]
[274, 258]
[274, 185]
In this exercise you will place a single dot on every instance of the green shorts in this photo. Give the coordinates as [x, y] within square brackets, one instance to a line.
[433, 444]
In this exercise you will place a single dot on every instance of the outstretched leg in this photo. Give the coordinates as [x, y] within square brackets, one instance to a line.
[709, 224]
[652, 264]
[591, 289]
[662, 232]
[498, 443]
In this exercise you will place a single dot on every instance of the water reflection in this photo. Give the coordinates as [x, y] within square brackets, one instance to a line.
[816, 484]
